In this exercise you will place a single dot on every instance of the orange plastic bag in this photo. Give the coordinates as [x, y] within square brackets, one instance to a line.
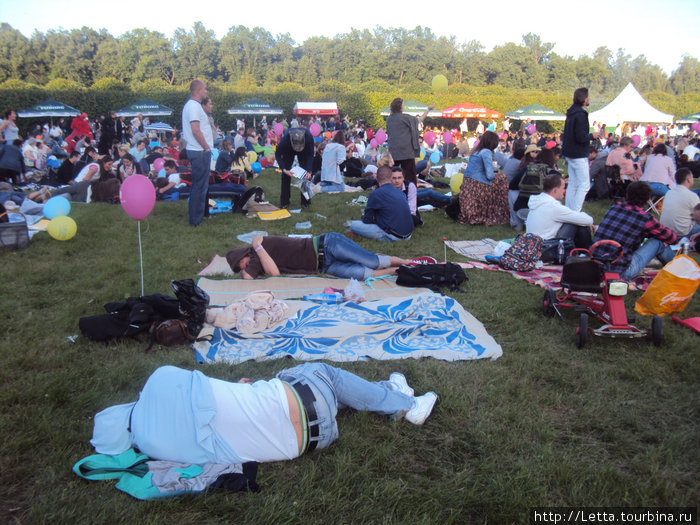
[672, 289]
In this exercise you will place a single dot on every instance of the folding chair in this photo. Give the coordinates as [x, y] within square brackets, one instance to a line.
[655, 204]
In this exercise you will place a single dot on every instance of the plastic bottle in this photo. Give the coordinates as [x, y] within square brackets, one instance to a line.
[561, 252]
[326, 298]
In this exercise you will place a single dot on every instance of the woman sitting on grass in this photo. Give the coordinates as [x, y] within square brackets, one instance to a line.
[240, 167]
[483, 197]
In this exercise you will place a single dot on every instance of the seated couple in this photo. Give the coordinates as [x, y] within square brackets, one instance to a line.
[330, 253]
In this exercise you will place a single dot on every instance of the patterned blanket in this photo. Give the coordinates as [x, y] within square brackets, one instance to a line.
[424, 325]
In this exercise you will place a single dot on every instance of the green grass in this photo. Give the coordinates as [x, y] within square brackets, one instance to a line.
[615, 423]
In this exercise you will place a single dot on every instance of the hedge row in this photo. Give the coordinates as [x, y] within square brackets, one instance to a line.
[108, 94]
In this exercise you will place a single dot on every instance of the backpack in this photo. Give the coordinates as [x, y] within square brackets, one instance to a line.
[432, 276]
[253, 194]
[531, 181]
[523, 255]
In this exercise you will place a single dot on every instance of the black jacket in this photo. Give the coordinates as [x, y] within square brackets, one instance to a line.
[576, 139]
[285, 154]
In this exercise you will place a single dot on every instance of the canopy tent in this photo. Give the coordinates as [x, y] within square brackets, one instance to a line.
[254, 107]
[629, 106]
[159, 127]
[144, 107]
[535, 112]
[411, 107]
[690, 119]
[316, 108]
[49, 108]
[469, 110]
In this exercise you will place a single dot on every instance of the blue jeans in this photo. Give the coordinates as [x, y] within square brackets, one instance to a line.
[579, 183]
[335, 388]
[432, 197]
[372, 231]
[347, 259]
[200, 162]
[332, 186]
[15, 196]
[658, 189]
[645, 253]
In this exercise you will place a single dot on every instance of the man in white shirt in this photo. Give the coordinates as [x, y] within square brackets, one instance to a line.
[692, 150]
[679, 206]
[197, 133]
[550, 219]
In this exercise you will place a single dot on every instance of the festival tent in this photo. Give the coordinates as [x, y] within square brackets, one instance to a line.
[535, 112]
[144, 107]
[411, 107]
[49, 108]
[254, 107]
[629, 106]
[469, 110]
[690, 119]
[316, 108]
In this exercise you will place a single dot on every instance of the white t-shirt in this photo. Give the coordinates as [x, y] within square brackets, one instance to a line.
[254, 419]
[190, 113]
[84, 172]
[677, 213]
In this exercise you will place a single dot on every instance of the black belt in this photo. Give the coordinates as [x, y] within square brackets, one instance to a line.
[308, 399]
[320, 249]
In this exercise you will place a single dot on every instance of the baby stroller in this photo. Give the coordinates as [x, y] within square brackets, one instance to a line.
[588, 287]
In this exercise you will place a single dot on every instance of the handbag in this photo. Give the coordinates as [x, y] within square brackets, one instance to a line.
[14, 235]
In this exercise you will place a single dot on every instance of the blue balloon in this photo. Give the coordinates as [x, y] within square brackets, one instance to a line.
[318, 139]
[56, 207]
[257, 167]
[434, 157]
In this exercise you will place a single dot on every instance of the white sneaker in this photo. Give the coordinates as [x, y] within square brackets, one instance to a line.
[400, 383]
[422, 407]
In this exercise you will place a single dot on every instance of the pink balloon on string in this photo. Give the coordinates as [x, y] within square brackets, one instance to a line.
[137, 196]
[696, 126]
[429, 138]
[380, 136]
[532, 129]
[315, 129]
[278, 129]
[636, 139]
[447, 137]
[373, 143]
[158, 164]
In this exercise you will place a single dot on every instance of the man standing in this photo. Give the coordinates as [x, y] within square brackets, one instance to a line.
[575, 149]
[198, 136]
[299, 143]
[387, 216]
[404, 146]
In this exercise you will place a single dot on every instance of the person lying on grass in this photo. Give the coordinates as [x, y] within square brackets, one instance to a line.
[330, 253]
[187, 417]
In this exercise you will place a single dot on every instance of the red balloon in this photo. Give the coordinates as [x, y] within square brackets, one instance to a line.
[137, 196]
[429, 138]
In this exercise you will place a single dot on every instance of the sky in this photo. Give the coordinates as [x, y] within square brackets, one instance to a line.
[663, 31]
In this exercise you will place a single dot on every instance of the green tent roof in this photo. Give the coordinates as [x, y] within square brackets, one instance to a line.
[48, 108]
[411, 107]
[535, 112]
[254, 107]
[690, 119]
[144, 107]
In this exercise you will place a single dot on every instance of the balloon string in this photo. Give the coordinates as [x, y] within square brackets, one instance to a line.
[140, 257]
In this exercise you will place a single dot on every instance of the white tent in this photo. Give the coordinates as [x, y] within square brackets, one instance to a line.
[629, 106]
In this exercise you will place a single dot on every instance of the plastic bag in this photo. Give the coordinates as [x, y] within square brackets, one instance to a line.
[672, 289]
[193, 303]
[353, 292]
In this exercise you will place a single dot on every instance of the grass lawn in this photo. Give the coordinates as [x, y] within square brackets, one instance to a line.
[613, 424]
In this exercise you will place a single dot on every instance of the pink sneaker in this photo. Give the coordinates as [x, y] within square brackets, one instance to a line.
[426, 259]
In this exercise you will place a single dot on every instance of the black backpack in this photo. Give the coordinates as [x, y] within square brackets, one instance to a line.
[532, 179]
[432, 276]
[254, 193]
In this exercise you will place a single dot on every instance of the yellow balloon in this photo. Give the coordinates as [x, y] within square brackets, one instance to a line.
[62, 228]
[252, 156]
[421, 156]
[439, 83]
[456, 182]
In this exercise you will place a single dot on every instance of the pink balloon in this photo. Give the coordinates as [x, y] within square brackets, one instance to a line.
[531, 129]
[315, 129]
[373, 143]
[429, 138]
[158, 164]
[636, 139]
[696, 126]
[380, 136]
[447, 137]
[137, 196]
[278, 129]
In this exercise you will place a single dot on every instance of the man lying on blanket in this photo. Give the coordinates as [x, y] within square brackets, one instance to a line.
[330, 253]
[188, 417]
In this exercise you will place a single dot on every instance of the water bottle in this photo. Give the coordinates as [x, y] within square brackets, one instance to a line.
[325, 298]
[561, 253]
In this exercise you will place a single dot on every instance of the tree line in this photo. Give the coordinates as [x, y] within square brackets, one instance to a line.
[383, 59]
